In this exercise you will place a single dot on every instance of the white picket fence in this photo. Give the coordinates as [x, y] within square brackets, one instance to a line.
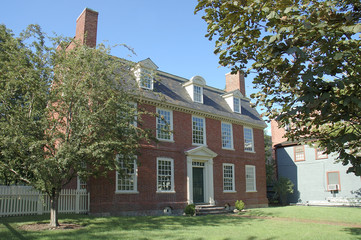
[23, 200]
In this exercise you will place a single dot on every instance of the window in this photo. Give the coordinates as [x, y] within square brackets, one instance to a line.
[126, 181]
[164, 124]
[236, 105]
[299, 153]
[227, 138]
[320, 154]
[165, 175]
[248, 140]
[228, 177]
[145, 78]
[250, 178]
[198, 131]
[198, 94]
[81, 184]
[333, 181]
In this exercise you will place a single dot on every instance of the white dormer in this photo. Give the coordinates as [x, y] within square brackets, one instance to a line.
[233, 100]
[144, 73]
[194, 88]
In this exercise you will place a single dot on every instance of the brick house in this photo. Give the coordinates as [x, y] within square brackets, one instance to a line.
[318, 179]
[213, 155]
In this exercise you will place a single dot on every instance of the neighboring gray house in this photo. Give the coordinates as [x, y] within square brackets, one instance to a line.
[318, 179]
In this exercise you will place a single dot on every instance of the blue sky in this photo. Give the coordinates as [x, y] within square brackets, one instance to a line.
[167, 31]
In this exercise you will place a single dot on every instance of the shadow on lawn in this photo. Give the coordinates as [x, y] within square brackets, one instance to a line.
[354, 231]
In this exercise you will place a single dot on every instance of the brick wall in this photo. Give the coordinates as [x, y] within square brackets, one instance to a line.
[104, 199]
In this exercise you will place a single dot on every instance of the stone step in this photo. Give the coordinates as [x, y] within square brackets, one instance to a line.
[211, 209]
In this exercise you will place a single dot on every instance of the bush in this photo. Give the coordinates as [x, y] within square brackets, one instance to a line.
[239, 205]
[283, 187]
[190, 209]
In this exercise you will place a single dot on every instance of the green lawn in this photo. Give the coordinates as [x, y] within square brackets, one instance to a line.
[271, 223]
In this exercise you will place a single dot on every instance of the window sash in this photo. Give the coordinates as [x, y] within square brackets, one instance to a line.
[146, 79]
[165, 175]
[250, 178]
[164, 124]
[197, 94]
[248, 140]
[236, 105]
[227, 136]
[228, 178]
[127, 182]
[299, 153]
[320, 154]
[198, 130]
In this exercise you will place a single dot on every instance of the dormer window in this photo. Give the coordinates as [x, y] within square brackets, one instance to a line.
[236, 105]
[145, 72]
[197, 94]
[233, 100]
[194, 88]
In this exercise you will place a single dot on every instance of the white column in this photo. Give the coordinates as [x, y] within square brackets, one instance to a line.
[189, 181]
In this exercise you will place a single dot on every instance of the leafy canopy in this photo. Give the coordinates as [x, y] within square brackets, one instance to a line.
[63, 113]
[306, 58]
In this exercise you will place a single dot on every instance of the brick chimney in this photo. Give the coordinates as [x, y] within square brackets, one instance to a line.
[86, 27]
[235, 81]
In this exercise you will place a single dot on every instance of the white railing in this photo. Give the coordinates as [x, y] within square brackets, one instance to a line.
[23, 200]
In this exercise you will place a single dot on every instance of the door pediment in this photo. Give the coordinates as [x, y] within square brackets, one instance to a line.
[201, 152]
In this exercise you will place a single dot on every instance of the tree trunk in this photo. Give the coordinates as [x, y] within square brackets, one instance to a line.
[54, 208]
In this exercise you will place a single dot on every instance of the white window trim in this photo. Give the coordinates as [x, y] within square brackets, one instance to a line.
[233, 176]
[170, 126]
[254, 174]
[81, 183]
[204, 132]
[135, 105]
[244, 136]
[232, 145]
[172, 176]
[135, 191]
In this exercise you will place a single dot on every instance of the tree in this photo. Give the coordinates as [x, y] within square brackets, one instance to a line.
[282, 188]
[64, 113]
[306, 58]
[270, 162]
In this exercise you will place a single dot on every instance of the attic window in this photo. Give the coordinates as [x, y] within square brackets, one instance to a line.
[146, 79]
[194, 88]
[236, 105]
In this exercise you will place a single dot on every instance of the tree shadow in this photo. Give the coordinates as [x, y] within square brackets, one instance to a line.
[14, 232]
[354, 232]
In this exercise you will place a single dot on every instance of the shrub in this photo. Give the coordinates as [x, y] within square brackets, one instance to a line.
[239, 205]
[283, 187]
[190, 209]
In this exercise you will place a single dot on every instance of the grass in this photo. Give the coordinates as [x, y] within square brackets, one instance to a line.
[281, 223]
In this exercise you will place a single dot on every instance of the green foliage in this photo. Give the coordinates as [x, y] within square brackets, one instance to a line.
[63, 113]
[282, 187]
[306, 59]
[190, 209]
[239, 205]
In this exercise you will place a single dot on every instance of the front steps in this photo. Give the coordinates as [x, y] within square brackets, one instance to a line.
[211, 209]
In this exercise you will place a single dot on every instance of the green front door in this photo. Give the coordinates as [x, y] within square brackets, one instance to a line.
[198, 185]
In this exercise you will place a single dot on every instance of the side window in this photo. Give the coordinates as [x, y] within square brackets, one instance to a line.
[333, 181]
[248, 139]
[126, 180]
[250, 178]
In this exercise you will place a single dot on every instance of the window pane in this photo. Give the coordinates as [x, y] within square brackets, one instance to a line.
[165, 175]
[164, 122]
[146, 79]
[299, 153]
[198, 130]
[236, 105]
[127, 180]
[248, 139]
[228, 179]
[250, 178]
[227, 135]
[197, 94]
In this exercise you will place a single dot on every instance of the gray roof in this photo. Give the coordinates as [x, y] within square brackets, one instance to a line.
[168, 91]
